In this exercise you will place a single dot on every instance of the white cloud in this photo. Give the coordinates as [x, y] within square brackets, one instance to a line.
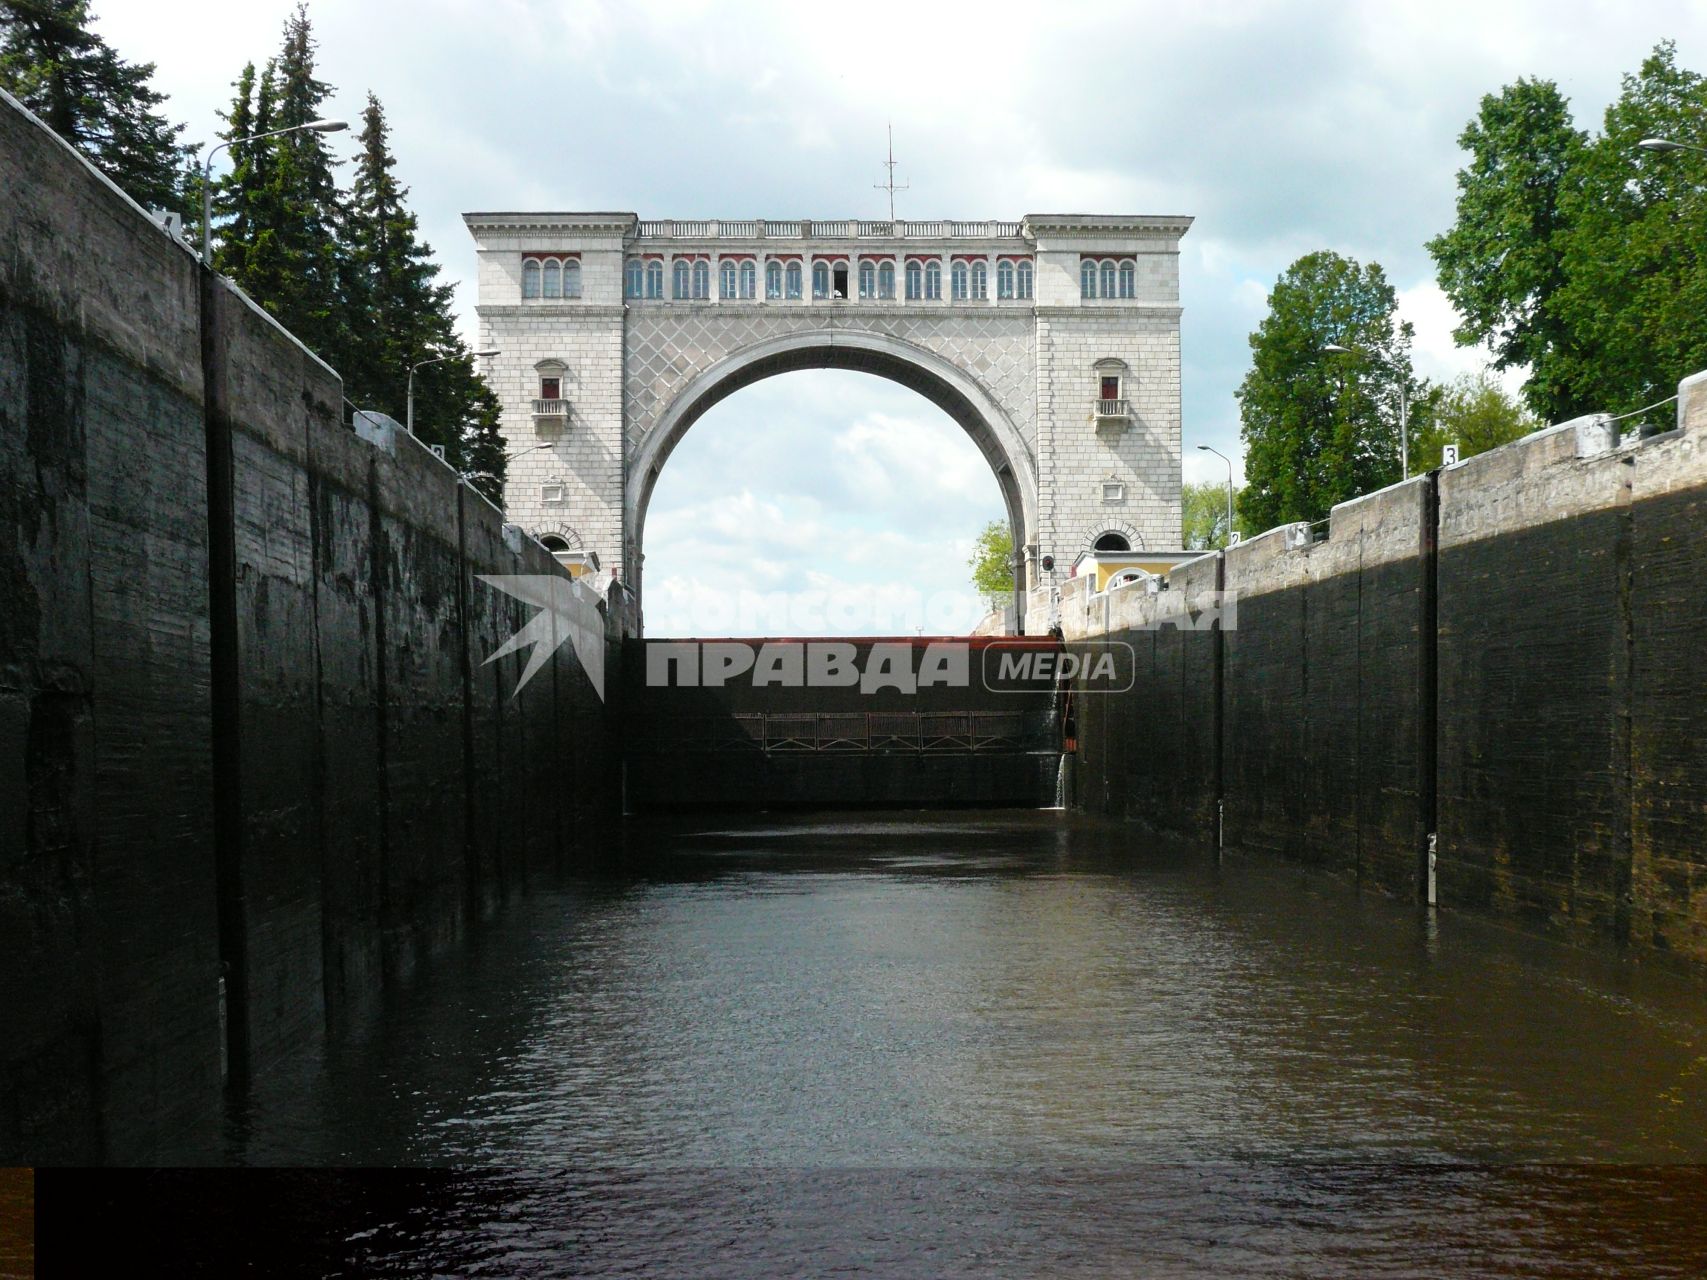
[1281, 127]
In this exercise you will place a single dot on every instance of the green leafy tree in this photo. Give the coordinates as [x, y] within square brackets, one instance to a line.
[1634, 297]
[992, 562]
[1321, 428]
[1203, 516]
[53, 61]
[1474, 412]
[401, 315]
[1503, 261]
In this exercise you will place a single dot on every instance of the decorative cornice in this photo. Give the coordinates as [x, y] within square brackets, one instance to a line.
[1148, 310]
[1104, 224]
[605, 224]
[566, 311]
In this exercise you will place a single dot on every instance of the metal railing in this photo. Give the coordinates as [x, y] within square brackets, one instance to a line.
[829, 229]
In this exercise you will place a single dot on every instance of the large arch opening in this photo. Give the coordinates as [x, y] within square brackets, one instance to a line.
[949, 389]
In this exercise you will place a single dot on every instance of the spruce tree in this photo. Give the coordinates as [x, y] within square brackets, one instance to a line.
[56, 65]
[401, 315]
[281, 238]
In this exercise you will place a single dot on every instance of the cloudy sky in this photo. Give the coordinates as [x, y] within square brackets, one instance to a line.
[1281, 127]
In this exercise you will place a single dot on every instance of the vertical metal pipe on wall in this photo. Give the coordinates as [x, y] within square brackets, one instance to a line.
[1428, 688]
[222, 634]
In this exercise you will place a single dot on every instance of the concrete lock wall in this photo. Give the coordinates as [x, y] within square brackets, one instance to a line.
[1506, 654]
[247, 731]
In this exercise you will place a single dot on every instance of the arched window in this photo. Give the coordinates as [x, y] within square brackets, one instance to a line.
[794, 279]
[773, 279]
[957, 281]
[726, 280]
[980, 280]
[634, 278]
[915, 281]
[553, 286]
[886, 280]
[1022, 280]
[820, 279]
[1004, 279]
[933, 280]
[571, 279]
[1128, 279]
[1087, 279]
[551, 542]
[655, 278]
[867, 280]
[1111, 542]
[683, 275]
[530, 279]
[702, 279]
[749, 279]
[1109, 289]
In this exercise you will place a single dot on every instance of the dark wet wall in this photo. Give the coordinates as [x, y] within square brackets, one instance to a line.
[246, 729]
[1510, 654]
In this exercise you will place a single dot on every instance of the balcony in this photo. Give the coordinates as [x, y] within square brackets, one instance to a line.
[1113, 411]
[551, 412]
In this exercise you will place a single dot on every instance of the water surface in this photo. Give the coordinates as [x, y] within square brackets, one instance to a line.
[929, 1043]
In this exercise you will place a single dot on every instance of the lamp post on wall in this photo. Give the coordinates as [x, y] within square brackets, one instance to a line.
[313, 126]
[1666, 144]
[1229, 462]
[1334, 349]
[409, 421]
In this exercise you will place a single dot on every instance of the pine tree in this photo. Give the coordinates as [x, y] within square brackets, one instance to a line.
[235, 195]
[56, 65]
[400, 316]
[281, 201]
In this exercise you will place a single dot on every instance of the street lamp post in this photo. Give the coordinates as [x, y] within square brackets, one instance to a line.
[1666, 144]
[1229, 462]
[313, 126]
[421, 364]
[1334, 349]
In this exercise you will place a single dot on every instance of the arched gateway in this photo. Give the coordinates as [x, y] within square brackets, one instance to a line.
[1053, 341]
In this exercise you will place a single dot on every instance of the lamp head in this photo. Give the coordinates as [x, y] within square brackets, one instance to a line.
[1661, 144]
[327, 126]
[1334, 349]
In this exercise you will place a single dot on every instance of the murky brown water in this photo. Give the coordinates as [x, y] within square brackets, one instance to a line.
[1001, 1044]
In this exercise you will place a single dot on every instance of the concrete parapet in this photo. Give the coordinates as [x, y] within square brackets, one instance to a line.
[1692, 402]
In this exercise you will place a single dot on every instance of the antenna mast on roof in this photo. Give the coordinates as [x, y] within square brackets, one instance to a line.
[889, 183]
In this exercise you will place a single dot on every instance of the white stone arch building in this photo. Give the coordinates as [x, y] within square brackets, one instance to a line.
[1053, 341]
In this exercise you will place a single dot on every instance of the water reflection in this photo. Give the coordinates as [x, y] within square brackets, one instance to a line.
[999, 991]
[1017, 1021]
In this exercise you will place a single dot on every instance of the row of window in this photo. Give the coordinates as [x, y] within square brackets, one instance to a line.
[691, 279]
[1108, 278]
[551, 278]
[739, 280]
